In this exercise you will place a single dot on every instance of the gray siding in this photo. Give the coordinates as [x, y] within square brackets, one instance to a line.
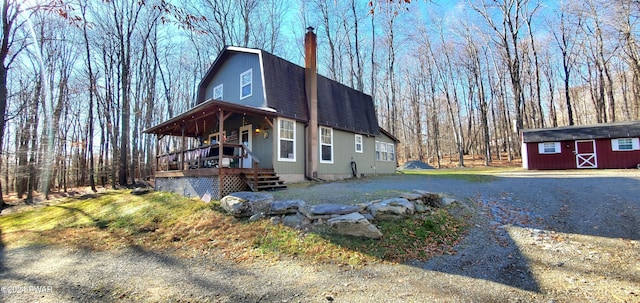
[229, 76]
[344, 151]
[290, 171]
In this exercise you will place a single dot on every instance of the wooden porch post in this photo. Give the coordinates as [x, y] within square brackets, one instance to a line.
[157, 168]
[220, 152]
[182, 146]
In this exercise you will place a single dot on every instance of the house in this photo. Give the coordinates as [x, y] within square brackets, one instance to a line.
[261, 121]
[612, 145]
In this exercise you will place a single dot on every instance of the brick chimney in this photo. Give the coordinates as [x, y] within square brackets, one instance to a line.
[311, 89]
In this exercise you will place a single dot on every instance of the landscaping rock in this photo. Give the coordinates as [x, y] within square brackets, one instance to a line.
[429, 198]
[411, 196]
[353, 224]
[448, 201]
[367, 216]
[246, 204]
[256, 217]
[286, 207]
[276, 220]
[293, 221]
[421, 208]
[392, 209]
[334, 209]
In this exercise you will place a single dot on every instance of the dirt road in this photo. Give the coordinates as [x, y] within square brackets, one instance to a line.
[537, 237]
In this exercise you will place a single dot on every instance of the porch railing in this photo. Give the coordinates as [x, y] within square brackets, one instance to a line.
[206, 156]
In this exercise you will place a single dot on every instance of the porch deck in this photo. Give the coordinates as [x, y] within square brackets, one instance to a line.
[199, 171]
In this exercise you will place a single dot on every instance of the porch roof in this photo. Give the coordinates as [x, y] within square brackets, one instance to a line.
[195, 119]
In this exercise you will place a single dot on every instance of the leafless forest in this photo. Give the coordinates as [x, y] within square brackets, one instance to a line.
[81, 79]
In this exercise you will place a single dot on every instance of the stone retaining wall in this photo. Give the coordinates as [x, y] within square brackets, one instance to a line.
[354, 220]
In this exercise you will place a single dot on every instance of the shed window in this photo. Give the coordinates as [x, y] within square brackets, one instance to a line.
[246, 80]
[286, 140]
[218, 92]
[624, 144]
[326, 145]
[549, 148]
[359, 147]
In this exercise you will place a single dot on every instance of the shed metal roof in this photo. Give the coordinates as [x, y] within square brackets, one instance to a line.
[583, 132]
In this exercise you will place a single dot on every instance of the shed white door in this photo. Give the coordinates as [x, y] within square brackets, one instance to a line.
[245, 139]
[586, 154]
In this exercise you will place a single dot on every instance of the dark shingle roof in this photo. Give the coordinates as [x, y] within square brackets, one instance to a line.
[284, 86]
[598, 131]
[339, 106]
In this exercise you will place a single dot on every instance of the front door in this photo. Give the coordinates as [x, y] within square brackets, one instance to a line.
[586, 154]
[245, 139]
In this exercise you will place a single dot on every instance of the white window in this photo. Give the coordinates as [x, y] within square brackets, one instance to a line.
[286, 140]
[359, 146]
[623, 144]
[326, 145]
[217, 92]
[549, 148]
[383, 151]
[246, 80]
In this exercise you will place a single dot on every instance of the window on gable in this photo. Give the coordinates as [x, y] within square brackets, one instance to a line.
[549, 148]
[359, 146]
[218, 92]
[286, 140]
[326, 145]
[624, 144]
[246, 80]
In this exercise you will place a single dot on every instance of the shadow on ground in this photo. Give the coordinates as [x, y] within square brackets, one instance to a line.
[582, 204]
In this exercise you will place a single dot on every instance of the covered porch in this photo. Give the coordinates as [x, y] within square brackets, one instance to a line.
[207, 151]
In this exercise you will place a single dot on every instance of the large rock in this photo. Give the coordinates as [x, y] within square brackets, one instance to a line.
[293, 221]
[392, 209]
[286, 207]
[353, 224]
[246, 204]
[448, 201]
[334, 209]
[411, 196]
[429, 198]
[326, 211]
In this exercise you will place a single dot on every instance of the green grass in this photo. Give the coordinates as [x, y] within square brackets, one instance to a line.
[161, 221]
[417, 238]
[478, 174]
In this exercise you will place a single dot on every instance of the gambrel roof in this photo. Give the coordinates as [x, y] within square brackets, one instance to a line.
[629, 129]
[339, 106]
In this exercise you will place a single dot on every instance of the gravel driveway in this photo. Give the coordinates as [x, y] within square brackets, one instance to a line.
[537, 237]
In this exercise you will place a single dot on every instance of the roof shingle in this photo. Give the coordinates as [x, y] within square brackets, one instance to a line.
[583, 132]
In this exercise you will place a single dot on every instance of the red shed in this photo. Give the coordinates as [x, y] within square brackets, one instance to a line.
[611, 145]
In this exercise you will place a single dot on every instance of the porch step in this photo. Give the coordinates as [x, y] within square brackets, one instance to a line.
[265, 180]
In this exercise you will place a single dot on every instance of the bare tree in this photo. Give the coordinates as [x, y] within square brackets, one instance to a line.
[566, 40]
[507, 30]
[11, 46]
